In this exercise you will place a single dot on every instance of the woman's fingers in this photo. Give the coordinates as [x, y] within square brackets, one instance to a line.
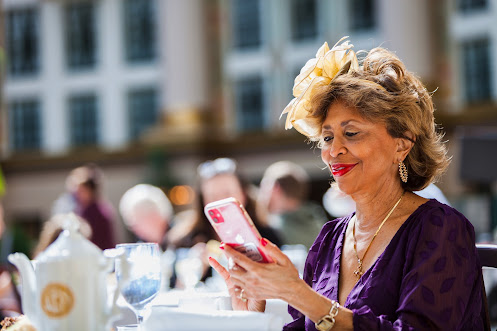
[239, 259]
[272, 250]
[219, 268]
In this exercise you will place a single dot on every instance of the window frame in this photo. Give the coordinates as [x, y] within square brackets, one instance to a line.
[135, 133]
[237, 43]
[356, 23]
[70, 45]
[294, 22]
[75, 131]
[128, 44]
[240, 108]
[34, 129]
[474, 71]
[10, 50]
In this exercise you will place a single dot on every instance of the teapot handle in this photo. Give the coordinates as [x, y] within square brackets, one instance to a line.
[113, 311]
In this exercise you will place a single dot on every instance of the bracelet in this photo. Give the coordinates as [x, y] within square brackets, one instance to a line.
[327, 322]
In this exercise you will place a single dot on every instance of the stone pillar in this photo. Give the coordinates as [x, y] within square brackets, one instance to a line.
[184, 57]
[405, 27]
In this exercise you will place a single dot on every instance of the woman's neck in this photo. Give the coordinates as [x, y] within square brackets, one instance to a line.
[373, 207]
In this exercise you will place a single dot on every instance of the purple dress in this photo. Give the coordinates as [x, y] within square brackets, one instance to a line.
[428, 277]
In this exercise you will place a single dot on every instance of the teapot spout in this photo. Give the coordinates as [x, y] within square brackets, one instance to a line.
[23, 264]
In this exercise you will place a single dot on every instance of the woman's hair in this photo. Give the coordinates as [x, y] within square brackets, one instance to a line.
[89, 175]
[383, 90]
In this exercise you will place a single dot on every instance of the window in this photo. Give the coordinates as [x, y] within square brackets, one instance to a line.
[250, 103]
[139, 30]
[362, 15]
[471, 5]
[80, 36]
[143, 110]
[477, 70]
[25, 125]
[83, 120]
[291, 82]
[246, 24]
[304, 19]
[22, 42]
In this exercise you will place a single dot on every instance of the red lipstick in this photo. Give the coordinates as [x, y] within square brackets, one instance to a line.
[340, 169]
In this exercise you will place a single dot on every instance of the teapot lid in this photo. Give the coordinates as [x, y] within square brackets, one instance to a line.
[70, 243]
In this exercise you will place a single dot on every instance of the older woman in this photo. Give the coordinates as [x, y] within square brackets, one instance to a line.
[400, 261]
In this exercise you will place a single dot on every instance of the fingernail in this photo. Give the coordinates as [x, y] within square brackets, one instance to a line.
[210, 258]
[221, 246]
[263, 242]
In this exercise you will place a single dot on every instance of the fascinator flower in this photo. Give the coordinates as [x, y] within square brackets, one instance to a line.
[319, 71]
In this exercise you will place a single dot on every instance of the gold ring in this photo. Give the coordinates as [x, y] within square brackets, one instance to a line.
[241, 297]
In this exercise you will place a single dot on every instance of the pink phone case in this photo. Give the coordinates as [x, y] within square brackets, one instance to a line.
[235, 228]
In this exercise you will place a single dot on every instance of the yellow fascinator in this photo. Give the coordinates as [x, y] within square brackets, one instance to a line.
[319, 71]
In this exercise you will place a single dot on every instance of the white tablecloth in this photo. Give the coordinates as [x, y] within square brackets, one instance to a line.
[169, 318]
[183, 310]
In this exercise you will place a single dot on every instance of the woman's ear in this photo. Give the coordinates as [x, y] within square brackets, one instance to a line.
[404, 145]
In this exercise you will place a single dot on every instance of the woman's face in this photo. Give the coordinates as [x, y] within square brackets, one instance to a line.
[361, 155]
[221, 187]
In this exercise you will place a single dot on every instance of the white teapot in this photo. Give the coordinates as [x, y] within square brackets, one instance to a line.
[66, 287]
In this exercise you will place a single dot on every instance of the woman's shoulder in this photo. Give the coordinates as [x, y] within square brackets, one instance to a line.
[438, 212]
[436, 218]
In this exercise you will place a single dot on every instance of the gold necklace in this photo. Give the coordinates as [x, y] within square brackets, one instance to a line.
[359, 272]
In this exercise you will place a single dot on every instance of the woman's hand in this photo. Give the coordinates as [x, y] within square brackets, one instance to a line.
[260, 281]
[236, 300]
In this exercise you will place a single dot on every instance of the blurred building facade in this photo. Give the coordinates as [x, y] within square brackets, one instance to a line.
[148, 89]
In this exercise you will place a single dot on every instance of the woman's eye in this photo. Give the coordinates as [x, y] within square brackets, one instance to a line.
[327, 139]
[351, 134]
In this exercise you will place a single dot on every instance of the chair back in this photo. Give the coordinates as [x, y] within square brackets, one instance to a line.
[488, 258]
[487, 254]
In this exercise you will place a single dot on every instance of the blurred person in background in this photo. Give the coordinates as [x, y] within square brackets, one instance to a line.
[400, 261]
[337, 203]
[217, 179]
[283, 199]
[83, 197]
[54, 227]
[432, 191]
[147, 212]
[10, 300]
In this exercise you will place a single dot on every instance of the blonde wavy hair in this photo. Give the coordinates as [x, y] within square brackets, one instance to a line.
[382, 90]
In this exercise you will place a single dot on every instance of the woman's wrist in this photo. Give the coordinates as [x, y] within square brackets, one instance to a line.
[327, 322]
[315, 306]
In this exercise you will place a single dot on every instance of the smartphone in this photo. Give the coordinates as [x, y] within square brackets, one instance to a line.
[234, 226]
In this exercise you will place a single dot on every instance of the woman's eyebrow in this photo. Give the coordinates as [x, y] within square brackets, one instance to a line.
[344, 123]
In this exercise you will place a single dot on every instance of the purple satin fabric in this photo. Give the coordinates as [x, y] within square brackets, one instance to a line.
[428, 277]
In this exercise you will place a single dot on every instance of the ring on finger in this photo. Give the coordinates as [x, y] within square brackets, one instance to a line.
[241, 297]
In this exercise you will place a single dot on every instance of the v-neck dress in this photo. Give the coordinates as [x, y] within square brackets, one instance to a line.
[428, 277]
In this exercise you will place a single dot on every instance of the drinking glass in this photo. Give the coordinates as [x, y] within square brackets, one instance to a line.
[189, 268]
[138, 273]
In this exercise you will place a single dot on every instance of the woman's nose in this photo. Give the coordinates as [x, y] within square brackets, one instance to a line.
[336, 148]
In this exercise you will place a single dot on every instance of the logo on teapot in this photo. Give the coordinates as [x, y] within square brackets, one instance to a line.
[57, 300]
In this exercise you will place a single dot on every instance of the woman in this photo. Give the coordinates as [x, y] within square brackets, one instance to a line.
[400, 261]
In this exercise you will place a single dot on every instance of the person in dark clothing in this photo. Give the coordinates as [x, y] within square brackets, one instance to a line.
[83, 197]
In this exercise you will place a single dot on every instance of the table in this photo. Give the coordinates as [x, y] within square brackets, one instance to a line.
[190, 310]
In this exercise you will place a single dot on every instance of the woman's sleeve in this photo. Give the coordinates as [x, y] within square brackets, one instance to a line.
[298, 322]
[441, 286]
